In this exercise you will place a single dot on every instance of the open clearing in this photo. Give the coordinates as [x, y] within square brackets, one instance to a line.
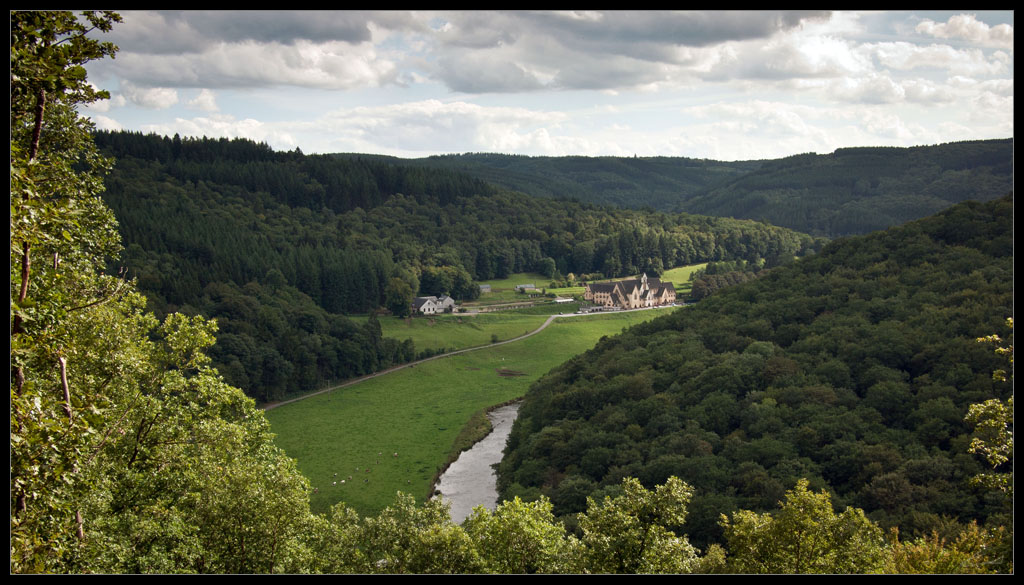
[680, 277]
[393, 433]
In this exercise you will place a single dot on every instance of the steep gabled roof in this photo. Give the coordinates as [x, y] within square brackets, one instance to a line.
[418, 302]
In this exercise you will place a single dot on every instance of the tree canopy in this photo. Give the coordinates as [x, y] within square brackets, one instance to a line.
[853, 369]
[128, 451]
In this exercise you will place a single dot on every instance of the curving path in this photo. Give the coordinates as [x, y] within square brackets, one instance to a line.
[273, 405]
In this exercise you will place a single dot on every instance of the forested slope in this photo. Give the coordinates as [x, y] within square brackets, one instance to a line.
[278, 246]
[851, 191]
[859, 190]
[630, 182]
[853, 368]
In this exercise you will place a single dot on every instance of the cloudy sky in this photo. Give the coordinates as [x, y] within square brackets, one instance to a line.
[732, 85]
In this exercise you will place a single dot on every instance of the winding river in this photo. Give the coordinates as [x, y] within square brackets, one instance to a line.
[470, 481]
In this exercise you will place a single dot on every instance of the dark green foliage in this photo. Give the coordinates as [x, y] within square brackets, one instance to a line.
[852, 368]
[859, 190]
[634, 183]
[851, 191]
[128, 452]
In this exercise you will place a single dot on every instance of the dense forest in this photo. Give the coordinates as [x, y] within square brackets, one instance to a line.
[659, 183]
[278, 246]
[853, 369]
[851, 191]
[860, 190]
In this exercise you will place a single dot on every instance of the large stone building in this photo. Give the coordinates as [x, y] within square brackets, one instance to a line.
[631, 294]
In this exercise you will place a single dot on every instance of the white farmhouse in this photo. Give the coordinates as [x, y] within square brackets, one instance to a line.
[433, 305]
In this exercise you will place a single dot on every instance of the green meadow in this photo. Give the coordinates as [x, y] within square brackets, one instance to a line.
[534, 278]
[503, 290]
[570, 291]
[394, 432]
[460, 330]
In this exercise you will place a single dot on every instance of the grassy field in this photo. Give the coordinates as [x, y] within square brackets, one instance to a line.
[464, 330]
[680, 277]
[459, 331]
[503, 290]
[534, 278]
[549, 308]
[568, 291]
[394, 432]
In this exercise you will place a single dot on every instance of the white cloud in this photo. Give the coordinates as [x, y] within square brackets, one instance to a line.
[525, 51]
[969, 62]
[811, 56]
[329, 65]
[225, 126]
[435, 126]
[880, 123]
[764, 117]
[741, 84]
[115, 101]
[149, 97]
[205, 101]
[924, 91]
[968, 27]
[105, 123]
[869, 89]
[989, 107]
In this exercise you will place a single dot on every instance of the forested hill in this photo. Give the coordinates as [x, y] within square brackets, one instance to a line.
[278, 246]
[853, 368]
[290, 178]
[659, 183]
[851, 191]
[859, 190]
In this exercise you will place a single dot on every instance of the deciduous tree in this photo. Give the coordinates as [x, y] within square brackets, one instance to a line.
[523, 537]
[633, 533]
[804, 536]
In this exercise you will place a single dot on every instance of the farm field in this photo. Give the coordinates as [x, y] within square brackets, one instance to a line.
[519, 278]
[548, 308]
[417, 412]
[503, 290]
[463, 330]
[460, 331]
[568, 291]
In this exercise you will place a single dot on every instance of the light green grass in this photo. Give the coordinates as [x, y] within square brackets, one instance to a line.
[548, 308]
[534, 278]
[458, 330]
[568, 291]
[680, 277]
[503, 289]
[417, 412]
[499, 296]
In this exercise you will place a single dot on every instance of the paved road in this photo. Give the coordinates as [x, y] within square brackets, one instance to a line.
[273, 405]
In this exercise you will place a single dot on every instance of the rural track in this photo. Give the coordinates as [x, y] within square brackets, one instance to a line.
[273, 405]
